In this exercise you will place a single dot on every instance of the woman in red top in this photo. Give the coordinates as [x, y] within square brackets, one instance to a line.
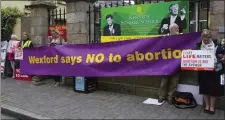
[13, 43]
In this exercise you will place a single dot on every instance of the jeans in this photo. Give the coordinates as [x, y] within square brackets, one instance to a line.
[57, 78]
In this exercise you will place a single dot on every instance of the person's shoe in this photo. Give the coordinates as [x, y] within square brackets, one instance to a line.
[206, 110]
[211, 112]
[160, 100]
[57, 84]
[53, 83]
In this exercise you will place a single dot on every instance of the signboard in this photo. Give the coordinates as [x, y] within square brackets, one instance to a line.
[18, 53]
[60, 28]
[80, 84]
[4, 45]
[12, 45]
[199, 60]
[145, 20]
[18, 76]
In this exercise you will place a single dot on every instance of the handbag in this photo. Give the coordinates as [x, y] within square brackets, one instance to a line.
[184, 100]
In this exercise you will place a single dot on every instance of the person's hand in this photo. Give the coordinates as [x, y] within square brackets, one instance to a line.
[220, 55]
[165, 26]
[223, 60]
[183, 11]
[113, 31]
[49, 39]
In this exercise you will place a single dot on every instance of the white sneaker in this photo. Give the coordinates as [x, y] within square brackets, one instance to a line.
[57, 84]
[53, 83]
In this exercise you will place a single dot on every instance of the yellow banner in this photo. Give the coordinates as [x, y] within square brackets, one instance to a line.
[105, 39]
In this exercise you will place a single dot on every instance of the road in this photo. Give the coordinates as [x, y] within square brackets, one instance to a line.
[6, 117]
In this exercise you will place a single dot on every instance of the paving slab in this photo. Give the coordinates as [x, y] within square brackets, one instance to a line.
[49, 102]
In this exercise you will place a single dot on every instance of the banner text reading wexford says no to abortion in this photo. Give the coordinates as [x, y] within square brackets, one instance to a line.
[150, 56]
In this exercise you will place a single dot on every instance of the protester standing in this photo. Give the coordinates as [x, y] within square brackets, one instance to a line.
[209, 81]
[169, 84]
[24, 43]
[13, 43]
[54, 40]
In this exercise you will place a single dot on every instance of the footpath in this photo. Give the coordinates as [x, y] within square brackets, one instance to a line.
[24, 100]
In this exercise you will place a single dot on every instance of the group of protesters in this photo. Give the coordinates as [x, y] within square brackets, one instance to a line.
[53, 40]
[209, 81]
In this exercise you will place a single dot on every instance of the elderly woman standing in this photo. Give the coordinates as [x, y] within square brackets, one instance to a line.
[13, 43]
[209, 81]
[54, 40]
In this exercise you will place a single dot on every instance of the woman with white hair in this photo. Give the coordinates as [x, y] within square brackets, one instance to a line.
[54, 40]
[209, 81]
[13, 43]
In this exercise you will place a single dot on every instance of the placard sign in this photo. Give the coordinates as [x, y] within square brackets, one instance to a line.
[197, 60]
[19, 76]
[18, 54]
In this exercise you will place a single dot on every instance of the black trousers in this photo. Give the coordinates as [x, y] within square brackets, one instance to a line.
[57, 78]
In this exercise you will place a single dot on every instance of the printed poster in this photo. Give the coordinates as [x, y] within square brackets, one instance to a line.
[19, 76]
[60, 28]
[199, 60]
[18, 53]
[143, 21]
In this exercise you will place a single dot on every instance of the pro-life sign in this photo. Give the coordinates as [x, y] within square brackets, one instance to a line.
[197, 60]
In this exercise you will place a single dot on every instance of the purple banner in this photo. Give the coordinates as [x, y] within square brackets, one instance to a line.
[150, 56]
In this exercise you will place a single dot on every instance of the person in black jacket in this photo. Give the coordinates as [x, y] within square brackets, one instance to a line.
[112, 29]
[209, 81]
[180, 20]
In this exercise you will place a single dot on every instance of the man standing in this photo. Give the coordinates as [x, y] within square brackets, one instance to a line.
[169, 84]
[112, 29]
[180, 20]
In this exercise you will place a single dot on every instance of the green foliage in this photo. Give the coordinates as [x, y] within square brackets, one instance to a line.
[8, 21]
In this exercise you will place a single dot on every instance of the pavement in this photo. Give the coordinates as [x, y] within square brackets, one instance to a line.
[49, 102]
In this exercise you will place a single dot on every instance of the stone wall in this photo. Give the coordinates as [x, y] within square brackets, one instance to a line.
[77, 22]
[216, 21]
[39, 26]
[25, 25]
[217, 18]
[39, 21]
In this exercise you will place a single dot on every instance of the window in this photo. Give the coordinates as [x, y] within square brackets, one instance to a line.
[203, 5]
[198, 19]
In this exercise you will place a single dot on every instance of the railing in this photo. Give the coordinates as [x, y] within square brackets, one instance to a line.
[57, 17]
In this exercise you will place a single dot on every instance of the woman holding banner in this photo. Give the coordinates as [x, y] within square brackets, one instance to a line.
[56, 39]
[209, 81]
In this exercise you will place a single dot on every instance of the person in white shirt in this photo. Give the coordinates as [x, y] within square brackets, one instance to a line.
[54, 40]
[111, 29]
[169, 83]
[174, 17]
